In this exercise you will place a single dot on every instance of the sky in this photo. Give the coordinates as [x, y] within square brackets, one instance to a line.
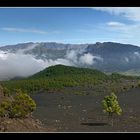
[70, 25]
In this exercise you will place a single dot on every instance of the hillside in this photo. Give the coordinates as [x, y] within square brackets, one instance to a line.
[62, 70]
[59, 77]
[55, 88]
[15, 124]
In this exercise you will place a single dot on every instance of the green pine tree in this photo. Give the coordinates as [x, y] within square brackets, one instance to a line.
[111, 106]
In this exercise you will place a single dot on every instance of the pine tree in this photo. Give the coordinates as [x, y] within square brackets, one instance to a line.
[111, 106]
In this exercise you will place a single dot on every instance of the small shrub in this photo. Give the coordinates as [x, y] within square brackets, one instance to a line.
[139, 84]
[132, 86]
[5, 108]
[6, 91]
[20, 106]
[1, 88]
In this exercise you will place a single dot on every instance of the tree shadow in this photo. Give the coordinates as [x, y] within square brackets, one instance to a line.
[95, 124]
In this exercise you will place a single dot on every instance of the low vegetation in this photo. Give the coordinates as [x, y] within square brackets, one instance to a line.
[19, 105]
[59, 76]
[111, 106]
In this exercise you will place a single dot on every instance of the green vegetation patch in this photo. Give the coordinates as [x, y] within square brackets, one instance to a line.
[19, 105]
[57, 77]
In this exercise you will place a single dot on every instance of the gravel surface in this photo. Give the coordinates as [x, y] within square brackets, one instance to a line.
[83, 113]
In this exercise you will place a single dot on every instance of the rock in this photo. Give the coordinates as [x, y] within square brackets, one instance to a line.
[57, 121]
[3, 128]
[59, 106]
[69, 107]
[84, 110]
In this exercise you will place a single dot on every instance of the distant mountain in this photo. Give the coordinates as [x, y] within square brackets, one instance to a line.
[107, 56]
[43, 50]
[116, 56]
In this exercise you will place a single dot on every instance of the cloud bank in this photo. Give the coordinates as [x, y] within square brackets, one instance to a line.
[78, 57]
[23, 65]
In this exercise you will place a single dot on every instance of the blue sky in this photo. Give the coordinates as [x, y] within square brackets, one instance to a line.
[70, 25]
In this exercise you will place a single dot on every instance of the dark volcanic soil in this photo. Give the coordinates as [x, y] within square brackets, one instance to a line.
[67, 112]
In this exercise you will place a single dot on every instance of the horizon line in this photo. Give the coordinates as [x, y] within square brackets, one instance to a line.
[67, 43]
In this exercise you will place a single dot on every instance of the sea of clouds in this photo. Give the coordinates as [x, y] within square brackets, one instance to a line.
[23, 65]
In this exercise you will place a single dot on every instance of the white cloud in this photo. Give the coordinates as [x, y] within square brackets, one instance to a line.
[115, 24]
[72, 55]
[125, 33]
[137, 54]
[131, 13]
[3, 55]
[77, 57]
[10, 29]
[19, 64]
[23, 30]
[114, 31]
[126, 59]
[62, 61]
[89, 59]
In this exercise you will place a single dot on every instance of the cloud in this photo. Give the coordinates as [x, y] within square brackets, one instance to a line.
[130, 13]
[126, 59]
[119, 27]
[20, 64]
[13, 65]
[22, 30]
[78, 57]
[2, 55]
[116, 30]
[60, 61]
[137, 54]
[72, 55]
[89, 59]
[115, 24]
[124, 33]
